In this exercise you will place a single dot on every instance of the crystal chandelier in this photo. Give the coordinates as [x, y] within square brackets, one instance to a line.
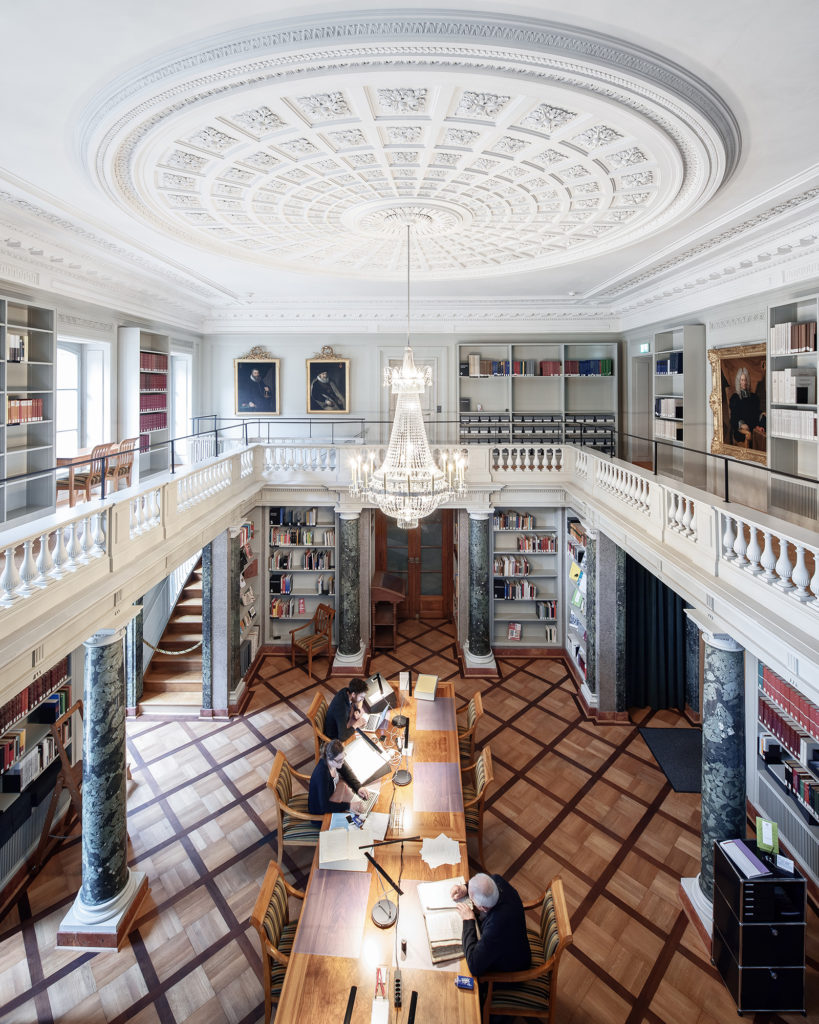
[408, 484]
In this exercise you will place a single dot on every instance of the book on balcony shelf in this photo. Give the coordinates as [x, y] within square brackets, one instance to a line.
[513, 631]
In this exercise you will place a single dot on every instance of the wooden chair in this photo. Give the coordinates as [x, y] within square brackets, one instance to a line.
[98, 464]
[477, 778]
[317, 715]
[122, 466]
[532, 993]
[271, 919]
[468, 729]
[320, 640]
[296, 826]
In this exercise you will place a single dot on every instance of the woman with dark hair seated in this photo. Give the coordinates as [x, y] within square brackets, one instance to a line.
[325, 779]
[345, 712]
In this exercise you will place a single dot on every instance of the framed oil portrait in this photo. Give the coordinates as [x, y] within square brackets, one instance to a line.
[739, 402]
[328, 384]
[256, 386]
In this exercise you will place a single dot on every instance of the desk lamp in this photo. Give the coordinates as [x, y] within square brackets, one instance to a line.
[402, 777]
[385, 912]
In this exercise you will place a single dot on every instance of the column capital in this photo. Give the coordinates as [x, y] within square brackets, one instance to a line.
[348, 513]
[721, 641]
[105, 637]
[479, 513]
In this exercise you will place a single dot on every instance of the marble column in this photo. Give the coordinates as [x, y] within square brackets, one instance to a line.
[606, 618]
[351, 649]
[106, 900]
[589, 567]
[692, 666]
[133, 660]
[220, 594]
[723, 750]
[477, 648]
[207, 630]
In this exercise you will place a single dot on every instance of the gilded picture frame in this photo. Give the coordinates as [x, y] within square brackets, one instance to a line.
[256, 386]
[328, 386]
[739, 402]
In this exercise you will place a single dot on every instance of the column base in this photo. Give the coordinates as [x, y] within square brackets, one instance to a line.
[478, 664]
[698, 909]
[105, 926]
[350, 664]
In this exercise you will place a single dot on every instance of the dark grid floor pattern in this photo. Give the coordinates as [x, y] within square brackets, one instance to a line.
[572, 797]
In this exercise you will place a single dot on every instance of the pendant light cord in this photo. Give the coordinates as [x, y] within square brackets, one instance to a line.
[408, 285]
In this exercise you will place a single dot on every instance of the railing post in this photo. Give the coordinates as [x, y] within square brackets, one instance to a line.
[244, 431]
[725, 474]
[655, 456]
[173, 457]
[103, 476]
[215, 440]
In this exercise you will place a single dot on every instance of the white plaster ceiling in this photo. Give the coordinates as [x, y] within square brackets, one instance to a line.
[233, 159]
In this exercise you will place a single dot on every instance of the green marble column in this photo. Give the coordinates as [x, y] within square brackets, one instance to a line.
[479, 584]
[349, 586]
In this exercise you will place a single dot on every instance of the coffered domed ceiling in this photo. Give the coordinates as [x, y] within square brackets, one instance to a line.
[510, 146]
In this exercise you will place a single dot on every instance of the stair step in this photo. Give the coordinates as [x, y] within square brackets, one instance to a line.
[156, 682]
[171, 664]
[180, 704]
[185, 624]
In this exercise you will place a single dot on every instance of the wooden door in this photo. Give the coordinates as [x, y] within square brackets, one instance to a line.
[423, 559]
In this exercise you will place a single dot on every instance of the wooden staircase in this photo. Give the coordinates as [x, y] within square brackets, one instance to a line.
[172, 683]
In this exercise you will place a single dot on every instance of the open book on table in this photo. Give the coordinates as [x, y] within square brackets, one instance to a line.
[443, 922]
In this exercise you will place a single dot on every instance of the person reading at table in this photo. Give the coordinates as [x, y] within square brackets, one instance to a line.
[503, 945]
[346, 711]
[324, 782]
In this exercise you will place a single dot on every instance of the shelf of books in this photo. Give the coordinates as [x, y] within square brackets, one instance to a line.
[538, 393]
[680, 401]
[249, 597]
[144, 411]
[301, 557]
[576, 630]
[27, 354]
[788, 782]
[29, 763]
[792, 364]
[524, 578]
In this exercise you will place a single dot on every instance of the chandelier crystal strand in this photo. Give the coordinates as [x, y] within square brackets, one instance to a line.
[408, 485]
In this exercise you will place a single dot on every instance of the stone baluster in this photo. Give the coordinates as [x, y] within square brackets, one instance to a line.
[98, 534]
[87, 541]
[45, 563]
[10, 580]
[688, 517]
[155, 507]
[800, 576]
[28, 570]
[740, 544]
[74, 547]
[784, 567]
[728, 538]
[61, 557]
[768, 560]
[814, 580]
[754, 551]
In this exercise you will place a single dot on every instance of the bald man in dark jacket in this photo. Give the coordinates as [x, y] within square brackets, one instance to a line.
[503, 945]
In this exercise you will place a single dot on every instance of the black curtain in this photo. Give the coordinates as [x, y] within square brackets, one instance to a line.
[655, 641]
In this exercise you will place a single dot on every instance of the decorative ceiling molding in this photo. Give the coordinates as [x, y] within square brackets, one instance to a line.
[532, 145]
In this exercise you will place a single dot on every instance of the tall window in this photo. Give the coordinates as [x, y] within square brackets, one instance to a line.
[82, 395]
[182, 410]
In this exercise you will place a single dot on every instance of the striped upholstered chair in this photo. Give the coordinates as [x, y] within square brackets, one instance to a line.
[473, 712]
[296, 826]
[533, 993]
[476, 780]
[271, 919]
[317, 714]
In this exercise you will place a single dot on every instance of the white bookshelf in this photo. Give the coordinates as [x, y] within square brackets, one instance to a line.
[538, 393]
[679, 401]
[27, 430]
[791, 426]
[525, 578]
[302, 548]
[144, 377]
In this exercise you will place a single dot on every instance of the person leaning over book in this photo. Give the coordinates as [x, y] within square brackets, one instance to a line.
[325, 778]
[345, 712]
[503, 945]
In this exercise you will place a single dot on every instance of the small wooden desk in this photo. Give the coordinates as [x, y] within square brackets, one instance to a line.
[82, 458]
[337, 945]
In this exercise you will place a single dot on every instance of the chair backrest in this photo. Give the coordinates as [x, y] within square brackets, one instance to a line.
[276, 914]
[98, 457]
[317, 715]
[126, 454]
[484, 773]
[323, 620]
[555, 926]
[280, 780]
[474, 711]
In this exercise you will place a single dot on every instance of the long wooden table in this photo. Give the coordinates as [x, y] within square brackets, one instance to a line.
[337, 945]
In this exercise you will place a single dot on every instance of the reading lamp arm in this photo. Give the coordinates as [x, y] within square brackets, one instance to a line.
[383, 873]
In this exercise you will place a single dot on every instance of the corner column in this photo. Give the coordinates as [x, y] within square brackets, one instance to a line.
[104, 909]
[723, 766]
[133, 661]
[478, 656]
[351, 650]
[606, 626]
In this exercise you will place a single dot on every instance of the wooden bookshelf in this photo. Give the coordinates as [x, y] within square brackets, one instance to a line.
[144, 395]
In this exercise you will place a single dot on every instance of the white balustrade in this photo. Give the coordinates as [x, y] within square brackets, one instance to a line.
[800, 576]
[740, 545]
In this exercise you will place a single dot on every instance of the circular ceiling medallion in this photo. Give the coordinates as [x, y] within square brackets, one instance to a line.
[507, 146]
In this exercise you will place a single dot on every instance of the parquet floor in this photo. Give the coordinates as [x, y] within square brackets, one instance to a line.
[572, 797]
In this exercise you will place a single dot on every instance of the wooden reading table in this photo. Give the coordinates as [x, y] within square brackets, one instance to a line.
[337, 945]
